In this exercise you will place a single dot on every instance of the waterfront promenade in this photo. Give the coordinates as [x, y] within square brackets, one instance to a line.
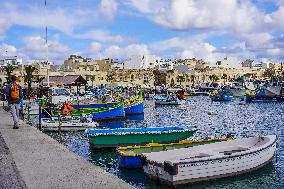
[31, 159]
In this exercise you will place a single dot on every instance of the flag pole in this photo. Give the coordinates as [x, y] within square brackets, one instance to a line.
[46, 47]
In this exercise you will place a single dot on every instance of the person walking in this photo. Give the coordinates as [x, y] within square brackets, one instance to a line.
[14, 94]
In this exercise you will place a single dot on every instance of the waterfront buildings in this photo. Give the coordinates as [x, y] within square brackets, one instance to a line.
[150, 71]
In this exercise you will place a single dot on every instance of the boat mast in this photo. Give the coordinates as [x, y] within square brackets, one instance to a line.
[46, 47]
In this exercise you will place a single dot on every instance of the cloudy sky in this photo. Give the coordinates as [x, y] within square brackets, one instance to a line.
[207, 29]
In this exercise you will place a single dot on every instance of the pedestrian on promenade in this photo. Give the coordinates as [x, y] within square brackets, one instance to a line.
[14, 94]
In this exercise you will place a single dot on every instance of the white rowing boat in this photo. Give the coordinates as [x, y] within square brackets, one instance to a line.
[210, 161]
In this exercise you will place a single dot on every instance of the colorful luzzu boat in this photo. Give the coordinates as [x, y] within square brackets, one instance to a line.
[264, 95]
[134, 106]
[113, 112]
[130, 156]
[99, 138]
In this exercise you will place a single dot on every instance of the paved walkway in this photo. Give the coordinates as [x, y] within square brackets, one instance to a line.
[33, 160]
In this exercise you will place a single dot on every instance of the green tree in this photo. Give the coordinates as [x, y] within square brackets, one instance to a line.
[192, 78]
[180, 79]
[109, 77]
[213, 78]
[9, 70]
[269, 73]
[28, 77]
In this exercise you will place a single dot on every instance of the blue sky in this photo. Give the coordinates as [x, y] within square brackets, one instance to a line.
[203, 29]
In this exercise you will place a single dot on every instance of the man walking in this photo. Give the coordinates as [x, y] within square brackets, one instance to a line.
[14, 94]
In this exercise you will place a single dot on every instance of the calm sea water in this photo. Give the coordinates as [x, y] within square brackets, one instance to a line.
[213, 119]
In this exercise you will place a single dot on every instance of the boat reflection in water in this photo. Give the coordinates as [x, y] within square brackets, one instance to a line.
[121, 123]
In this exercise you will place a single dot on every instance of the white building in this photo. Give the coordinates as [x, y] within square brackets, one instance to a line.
[165, 64]
[230, 62]
[12, 60]
[264, 65]
[140, 62]
[148, 61]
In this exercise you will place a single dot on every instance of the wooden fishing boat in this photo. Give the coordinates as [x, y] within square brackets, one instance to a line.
[264, 94]
[210, 161]
[130, 156]
[98, 114]
[134, 106]
[225, 98]
[167, 100]
[223, 94]
[133, 136]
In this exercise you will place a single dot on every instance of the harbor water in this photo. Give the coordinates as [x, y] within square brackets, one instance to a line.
[213, 119]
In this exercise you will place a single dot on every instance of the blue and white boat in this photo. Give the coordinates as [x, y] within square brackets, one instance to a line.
[224, 95]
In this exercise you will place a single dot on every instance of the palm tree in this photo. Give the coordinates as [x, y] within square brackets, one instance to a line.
[192, 78]
[180, 79]
[9, 70]
[109, 77]
[213, 78]
[224, 77]
[28, 77]
[92, 78]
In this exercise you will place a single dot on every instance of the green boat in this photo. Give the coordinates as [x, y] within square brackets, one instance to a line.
[99, 138]
[130, 156]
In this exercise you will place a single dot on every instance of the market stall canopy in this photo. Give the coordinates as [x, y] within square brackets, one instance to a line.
[67, 80]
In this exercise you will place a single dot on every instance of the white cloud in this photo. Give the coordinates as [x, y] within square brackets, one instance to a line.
[8, 50]
[4, 25]
[274, 52]
[146, 6]
[108, 8]
[64, 19]
[237, 16]
[258, 40]
[95, 46]
[193, 47]
[35, 49]
[115, 51]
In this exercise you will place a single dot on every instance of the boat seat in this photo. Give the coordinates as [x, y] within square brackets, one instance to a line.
[200, 155]
[234, 150]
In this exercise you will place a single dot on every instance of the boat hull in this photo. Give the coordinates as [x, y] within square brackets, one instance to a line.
[249, 99]
[136, 108]
[208, 168]
[134, 160]
[100, 114]
[111, 114]
[238, 92]
[160, 102]
[222, 98]
[135, 139]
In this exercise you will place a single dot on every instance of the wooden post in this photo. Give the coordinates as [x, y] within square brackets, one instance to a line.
[59, 122]
[39, 116]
